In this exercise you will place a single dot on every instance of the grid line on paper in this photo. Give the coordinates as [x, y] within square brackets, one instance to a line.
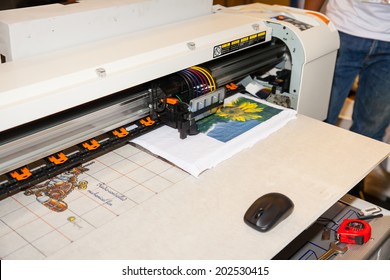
[37, 223]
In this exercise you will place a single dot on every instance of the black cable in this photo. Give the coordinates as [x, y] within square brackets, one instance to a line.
[192, 81]
[198, 84]
[188, 87]
[324, 219]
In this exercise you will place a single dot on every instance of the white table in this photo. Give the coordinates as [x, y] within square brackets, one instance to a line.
[313, 163]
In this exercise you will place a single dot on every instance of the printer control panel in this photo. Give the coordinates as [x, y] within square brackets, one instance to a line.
[299, 24]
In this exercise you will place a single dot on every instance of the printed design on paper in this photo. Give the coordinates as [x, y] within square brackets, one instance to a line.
[235, 118]
[52, 192]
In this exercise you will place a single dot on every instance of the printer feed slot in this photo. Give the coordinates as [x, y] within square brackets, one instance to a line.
[253, 61]
[25, 4]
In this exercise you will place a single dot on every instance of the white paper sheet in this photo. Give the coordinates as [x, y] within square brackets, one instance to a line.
[198, 153]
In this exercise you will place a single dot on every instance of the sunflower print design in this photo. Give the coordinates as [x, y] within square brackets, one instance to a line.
[240, 110]
[235, 118]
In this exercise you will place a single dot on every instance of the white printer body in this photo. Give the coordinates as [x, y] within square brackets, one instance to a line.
[72, 73]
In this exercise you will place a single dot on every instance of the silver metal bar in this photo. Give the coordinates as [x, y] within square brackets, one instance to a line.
[54, 139]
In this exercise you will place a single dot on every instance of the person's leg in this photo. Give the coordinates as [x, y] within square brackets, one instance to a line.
[349, 61]
[371, 112]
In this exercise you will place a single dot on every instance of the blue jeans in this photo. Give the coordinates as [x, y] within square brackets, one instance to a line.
[370, 59]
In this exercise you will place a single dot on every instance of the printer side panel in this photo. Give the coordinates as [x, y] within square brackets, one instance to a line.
[312, 43]
[311, 69]
[317, 77]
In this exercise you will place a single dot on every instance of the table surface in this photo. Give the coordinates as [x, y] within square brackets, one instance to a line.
[311, 162]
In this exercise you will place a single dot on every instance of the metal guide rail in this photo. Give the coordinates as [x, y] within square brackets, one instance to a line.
[45, 168]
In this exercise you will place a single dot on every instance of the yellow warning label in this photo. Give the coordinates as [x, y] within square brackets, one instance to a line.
[238, 44]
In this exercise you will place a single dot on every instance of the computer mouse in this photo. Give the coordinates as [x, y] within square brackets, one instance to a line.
[268, 211]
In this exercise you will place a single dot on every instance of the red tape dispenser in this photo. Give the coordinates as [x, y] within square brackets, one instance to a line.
[354, 231]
